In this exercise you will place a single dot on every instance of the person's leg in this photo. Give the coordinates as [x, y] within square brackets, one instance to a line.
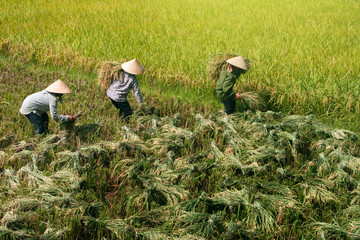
[45, 119]
[116, 104]
[229, 105]
[37, 122]
[126, 109]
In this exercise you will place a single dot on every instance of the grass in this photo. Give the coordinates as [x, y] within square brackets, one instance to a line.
[250, 175]
[180, 169]
[303, 53]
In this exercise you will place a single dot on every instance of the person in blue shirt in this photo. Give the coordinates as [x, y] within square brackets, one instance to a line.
[36, 105]
[121, 86]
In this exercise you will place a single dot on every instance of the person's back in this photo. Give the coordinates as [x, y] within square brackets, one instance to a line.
[36, 105]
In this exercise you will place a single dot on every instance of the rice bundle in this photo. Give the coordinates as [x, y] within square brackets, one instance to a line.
[108, 71]
[218, 63]
[252, 100]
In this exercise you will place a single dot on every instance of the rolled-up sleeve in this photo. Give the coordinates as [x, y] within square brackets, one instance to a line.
[137, 92]
[53, 111]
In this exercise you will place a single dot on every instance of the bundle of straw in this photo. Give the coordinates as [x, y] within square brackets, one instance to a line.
[108, 72]
[252, 100]
[218, 63]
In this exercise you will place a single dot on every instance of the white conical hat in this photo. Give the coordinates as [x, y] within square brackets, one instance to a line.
[133, 67]
[238, 62]
[58, 87]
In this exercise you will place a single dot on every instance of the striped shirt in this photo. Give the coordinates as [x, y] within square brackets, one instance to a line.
[118, 91]
[42, 102]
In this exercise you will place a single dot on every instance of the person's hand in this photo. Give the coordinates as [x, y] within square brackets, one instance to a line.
[238, 96]
[72, 118]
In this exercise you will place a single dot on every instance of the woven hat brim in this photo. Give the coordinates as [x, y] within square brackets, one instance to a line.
[238, 62]
[133, 67]
[58, 87]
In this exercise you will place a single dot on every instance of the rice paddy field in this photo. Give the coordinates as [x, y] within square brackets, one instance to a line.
[181, 168]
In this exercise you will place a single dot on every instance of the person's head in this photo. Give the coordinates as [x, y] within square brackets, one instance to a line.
[235, 70]
[58, 88]
[237, 65]
[133, 67]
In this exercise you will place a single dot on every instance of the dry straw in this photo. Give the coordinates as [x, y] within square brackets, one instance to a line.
[252, 100]
[218, 63]
[108, 72]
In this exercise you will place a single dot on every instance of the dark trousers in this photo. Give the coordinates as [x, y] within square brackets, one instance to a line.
[229, 105]
[40, 123]
[124, 109]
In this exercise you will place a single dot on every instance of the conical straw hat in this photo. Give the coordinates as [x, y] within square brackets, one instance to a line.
[58, 87]
[133, 67]
[238, 62]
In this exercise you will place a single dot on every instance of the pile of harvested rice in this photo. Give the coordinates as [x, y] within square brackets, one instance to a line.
[108, 72]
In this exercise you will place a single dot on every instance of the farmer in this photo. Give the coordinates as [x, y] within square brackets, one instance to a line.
[36, 105]
[121, 86]
[226, 82]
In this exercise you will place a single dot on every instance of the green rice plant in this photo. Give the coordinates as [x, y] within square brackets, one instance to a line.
[340, 178]
[232, 199]
[187, 236]
[130, 136]
[11, 181]
[260, 218]
[8, 233]
[324, 167]
[342, 134]
[67, 159]
[53, 233]
[152, 234]
[22, 204]
[316, 190]
[204, 126]
[238, 231]
[93, 152]
[274, 187]
[170, 131]
[6, 140]
[279, 204]
[23, 145]
[33, 177]
[347, 162]
[202, 224]
[354, 228]
[228, 161]
[3, 157]
[118, 227]
[356, 198]
[23, 156]
[252, 101]
[332, 230]
[267, 154]
[156, 192]
[352, 212]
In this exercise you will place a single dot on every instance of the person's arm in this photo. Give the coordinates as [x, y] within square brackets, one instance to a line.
[53, 111]
[137, 92]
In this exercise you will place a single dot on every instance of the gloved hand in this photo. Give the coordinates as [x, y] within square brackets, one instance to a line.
[72, 118]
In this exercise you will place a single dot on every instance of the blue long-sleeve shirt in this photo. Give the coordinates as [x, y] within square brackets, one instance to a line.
[41, 102]
[119, 90]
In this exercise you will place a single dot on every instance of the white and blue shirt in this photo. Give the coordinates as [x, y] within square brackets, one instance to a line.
[40, 103]
[119, 90]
